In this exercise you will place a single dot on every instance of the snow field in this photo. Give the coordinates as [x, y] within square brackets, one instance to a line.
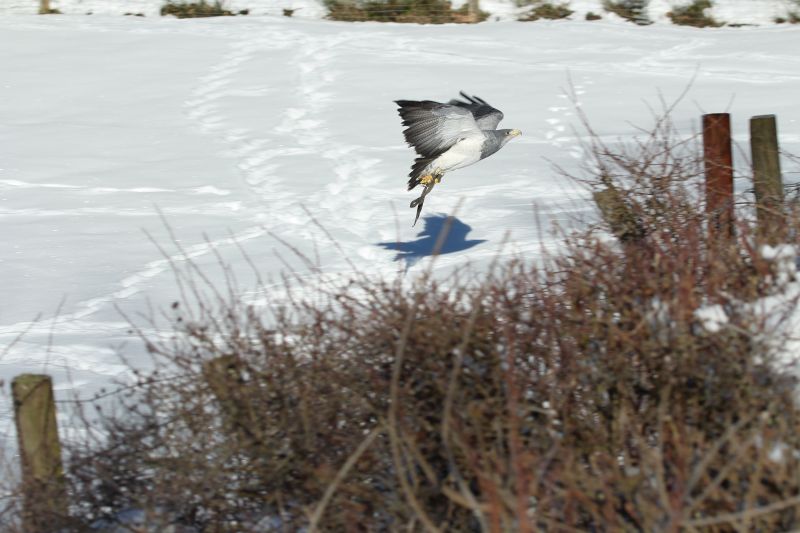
[243, 131]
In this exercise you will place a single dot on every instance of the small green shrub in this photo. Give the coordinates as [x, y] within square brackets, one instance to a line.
[695, 15]
[631, 10]
[593, 16]
[413, 11]
[183, 10]
[546, 10]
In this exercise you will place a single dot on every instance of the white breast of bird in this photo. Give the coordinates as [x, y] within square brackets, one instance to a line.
[464, 153]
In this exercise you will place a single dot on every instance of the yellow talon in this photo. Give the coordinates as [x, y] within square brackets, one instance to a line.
[438, 179]
[425, 180]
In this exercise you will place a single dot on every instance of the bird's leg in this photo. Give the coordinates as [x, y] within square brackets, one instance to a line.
[429, 181]
[433, 177]
[419, 210]
[421, 200]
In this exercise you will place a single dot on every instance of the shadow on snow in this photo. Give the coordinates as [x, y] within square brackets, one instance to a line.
[454, 240]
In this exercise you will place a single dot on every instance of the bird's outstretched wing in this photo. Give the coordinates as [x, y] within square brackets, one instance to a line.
[485, 115]
[432, 128]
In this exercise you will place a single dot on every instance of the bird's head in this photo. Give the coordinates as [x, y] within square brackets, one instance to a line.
[507, 135]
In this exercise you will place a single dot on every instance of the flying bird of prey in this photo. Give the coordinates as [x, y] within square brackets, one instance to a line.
[448, 137]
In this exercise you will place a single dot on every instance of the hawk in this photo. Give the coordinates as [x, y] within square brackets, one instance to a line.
[448, 137]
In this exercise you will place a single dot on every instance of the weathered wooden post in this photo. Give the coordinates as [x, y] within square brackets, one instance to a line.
[767, 177]
[474, 10]
[44, 491]
[44, 7]
[639, 10]
[718, 159]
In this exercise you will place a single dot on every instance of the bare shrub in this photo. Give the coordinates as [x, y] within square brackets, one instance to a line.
[545, 10]
[410, 11]
[585, 393]
[184, 9]
[694, 14]
[631, 10]
[792, 17]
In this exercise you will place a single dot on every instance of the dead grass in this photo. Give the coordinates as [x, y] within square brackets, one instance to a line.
[199, 9]
[793, 17]
[631, 10]
[548, 11]
[695, 15]
[408, 11]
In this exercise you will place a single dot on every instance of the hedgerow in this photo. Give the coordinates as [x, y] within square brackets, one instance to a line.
[589, 391]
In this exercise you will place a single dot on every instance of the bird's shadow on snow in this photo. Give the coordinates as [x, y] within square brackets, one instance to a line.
[454, 234]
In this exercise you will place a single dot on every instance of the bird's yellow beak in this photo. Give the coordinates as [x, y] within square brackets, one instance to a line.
[515, 133]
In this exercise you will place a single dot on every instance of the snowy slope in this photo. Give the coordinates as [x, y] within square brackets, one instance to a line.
[233, 128]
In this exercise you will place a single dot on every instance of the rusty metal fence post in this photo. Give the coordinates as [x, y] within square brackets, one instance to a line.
[718, 159]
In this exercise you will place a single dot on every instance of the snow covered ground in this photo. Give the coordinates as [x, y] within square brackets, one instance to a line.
[237, 128]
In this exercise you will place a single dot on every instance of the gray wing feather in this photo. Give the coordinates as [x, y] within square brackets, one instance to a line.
[432, 128]
[486, 116]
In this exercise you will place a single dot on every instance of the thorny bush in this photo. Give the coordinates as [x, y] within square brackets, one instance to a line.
[583, 393]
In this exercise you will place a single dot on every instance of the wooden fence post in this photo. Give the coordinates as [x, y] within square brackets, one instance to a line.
[474, 10]
[718, 160]
[767, 180]
[44, 7]
[44, 491]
